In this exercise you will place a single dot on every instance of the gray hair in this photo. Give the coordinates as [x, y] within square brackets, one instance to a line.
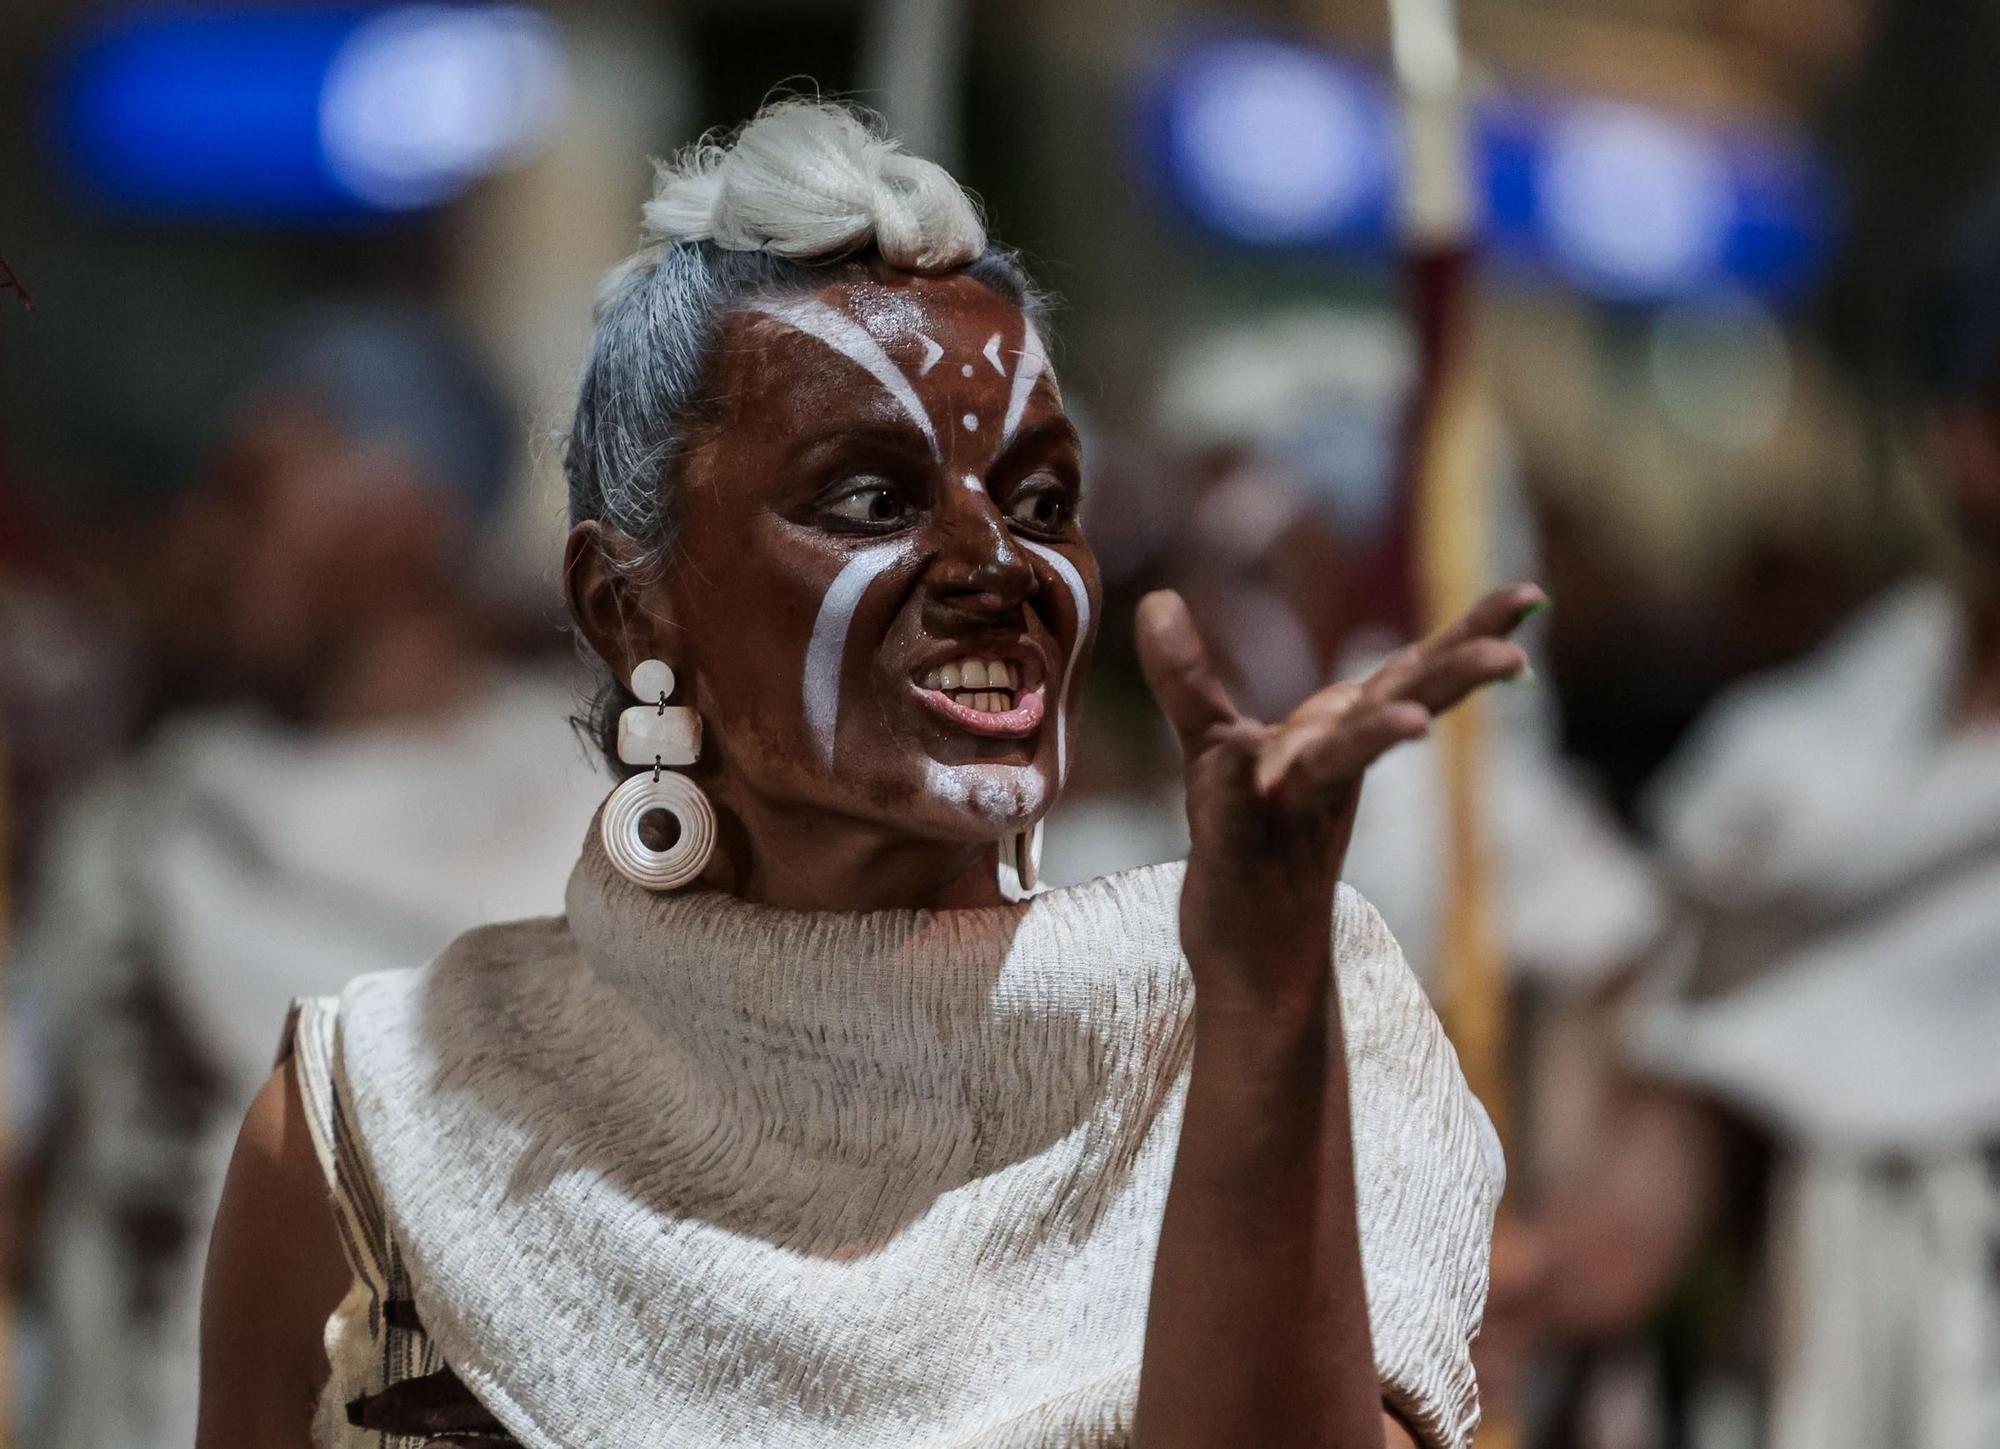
[806, 193]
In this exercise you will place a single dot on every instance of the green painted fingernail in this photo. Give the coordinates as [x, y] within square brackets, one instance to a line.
[1535, 608]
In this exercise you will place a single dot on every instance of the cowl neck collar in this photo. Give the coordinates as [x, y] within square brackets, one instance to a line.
[857, 1056]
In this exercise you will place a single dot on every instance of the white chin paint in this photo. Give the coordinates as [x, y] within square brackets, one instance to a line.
[1006, 796]
[1077, 592]
[828, 650]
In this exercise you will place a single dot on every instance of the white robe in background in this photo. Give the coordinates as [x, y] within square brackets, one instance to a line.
[228, 868]
[1841, 983]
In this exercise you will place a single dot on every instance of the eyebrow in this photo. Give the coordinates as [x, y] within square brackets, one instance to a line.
[851, 340]
[1054, 430]
[889, 435]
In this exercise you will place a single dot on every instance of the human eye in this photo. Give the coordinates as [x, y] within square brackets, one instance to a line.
[867, 501]
[1042, 503]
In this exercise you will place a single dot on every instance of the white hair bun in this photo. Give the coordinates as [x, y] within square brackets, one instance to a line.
[810, 179]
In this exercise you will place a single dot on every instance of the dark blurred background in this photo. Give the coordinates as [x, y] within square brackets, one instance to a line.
[292, 305]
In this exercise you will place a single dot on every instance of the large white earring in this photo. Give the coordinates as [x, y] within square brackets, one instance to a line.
[653, 734]
[1021, 862]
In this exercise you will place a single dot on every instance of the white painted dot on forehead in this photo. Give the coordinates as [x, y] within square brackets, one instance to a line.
[851, 340]
[965, 370]
[971, 421]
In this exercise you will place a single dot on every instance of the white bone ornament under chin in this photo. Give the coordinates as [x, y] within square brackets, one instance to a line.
[661, 736]
[1021, 862]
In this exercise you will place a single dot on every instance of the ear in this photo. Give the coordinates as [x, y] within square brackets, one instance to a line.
[618, 616]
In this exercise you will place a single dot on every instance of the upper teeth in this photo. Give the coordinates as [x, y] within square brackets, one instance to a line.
[974, 674]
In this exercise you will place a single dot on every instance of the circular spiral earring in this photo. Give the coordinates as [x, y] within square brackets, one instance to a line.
[653, 734]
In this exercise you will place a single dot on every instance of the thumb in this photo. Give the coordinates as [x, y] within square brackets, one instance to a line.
[1178, 672]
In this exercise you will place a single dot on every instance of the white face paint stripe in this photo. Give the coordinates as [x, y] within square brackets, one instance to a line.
[1033, 361]
[828, 649]
[932, 352]
[1078, 592]
[847, 337]
[991, 353]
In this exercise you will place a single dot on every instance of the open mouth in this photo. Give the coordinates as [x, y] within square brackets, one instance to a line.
[985, 694]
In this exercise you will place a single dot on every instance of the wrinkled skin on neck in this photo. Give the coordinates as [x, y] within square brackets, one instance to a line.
[889, 483]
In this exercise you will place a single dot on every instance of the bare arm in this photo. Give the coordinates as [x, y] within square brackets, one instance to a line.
[276, 1272]
[1259, 1331]
[1258, 1328]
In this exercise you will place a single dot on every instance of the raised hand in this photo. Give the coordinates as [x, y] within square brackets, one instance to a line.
[1257, 1331]
[1271, 805]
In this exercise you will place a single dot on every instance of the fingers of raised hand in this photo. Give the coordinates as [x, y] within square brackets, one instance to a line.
[1435, 678]
[1178, 671]
[1473, 651]
[1495, 616]
[1449, 676]
[1283, 742]
[1338, 733]
[1309, 759]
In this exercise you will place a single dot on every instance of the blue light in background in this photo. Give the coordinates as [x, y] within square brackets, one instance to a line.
[1280, 146]
[1269, 144]
[304, 115]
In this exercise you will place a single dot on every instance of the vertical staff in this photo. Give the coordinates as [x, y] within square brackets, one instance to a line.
[1442, 476]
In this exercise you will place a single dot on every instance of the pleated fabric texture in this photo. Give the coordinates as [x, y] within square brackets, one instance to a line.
[681, 1170]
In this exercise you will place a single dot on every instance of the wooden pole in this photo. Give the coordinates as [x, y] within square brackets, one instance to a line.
[1444, 472]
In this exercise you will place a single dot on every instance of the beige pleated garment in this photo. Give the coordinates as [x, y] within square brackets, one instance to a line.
[679, 1170]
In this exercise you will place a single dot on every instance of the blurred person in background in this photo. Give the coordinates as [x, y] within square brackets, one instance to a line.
[318, 800]
[1272, 518]
[1813, 1053]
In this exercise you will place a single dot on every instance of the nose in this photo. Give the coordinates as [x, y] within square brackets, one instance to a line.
[980, 567]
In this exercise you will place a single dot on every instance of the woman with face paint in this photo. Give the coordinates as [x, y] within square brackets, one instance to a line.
[858, 1139]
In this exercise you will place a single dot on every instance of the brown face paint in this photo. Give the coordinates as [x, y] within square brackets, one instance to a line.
[857, 520]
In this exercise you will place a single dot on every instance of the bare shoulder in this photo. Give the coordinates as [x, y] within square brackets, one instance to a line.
[276, 1272]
